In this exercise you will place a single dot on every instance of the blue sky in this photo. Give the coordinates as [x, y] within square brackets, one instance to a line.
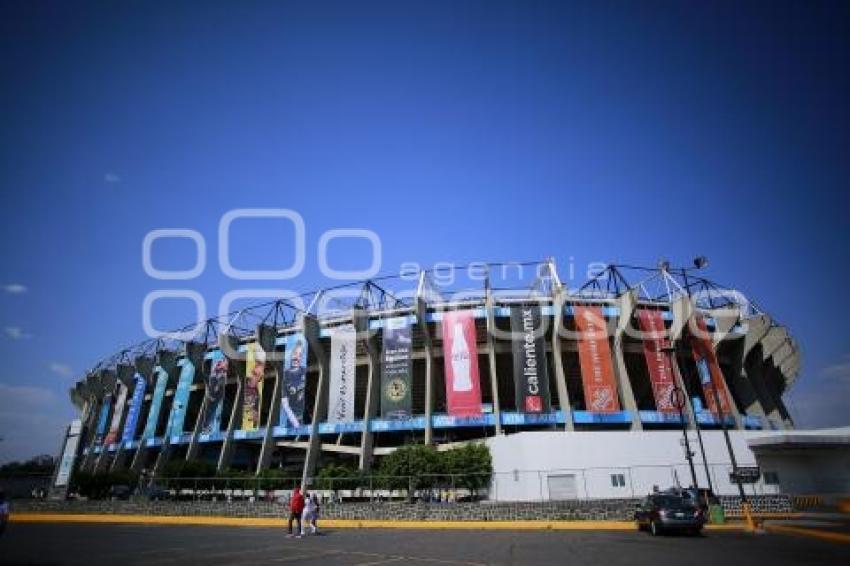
[456, 131]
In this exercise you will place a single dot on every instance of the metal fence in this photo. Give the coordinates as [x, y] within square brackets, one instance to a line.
[518, 485]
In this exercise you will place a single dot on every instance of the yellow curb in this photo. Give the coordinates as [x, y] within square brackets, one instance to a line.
[530, 525]
[842, 538]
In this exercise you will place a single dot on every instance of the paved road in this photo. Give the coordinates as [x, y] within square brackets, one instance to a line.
[208, 546]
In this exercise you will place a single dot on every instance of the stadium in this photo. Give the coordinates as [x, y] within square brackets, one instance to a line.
[580, 393]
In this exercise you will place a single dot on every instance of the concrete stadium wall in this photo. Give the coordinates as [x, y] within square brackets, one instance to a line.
[611, 509]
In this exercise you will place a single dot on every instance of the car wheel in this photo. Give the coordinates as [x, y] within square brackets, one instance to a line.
[654, 528]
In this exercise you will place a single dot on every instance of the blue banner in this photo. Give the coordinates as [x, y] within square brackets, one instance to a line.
[103, 419]
[156, 402]
[181, 398]
[294, 380]
[135, 408]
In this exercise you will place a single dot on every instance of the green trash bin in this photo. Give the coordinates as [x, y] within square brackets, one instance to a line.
[716, 515]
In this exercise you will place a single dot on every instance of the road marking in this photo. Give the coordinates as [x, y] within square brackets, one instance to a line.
[341, 523]
[303, 556]
[415, 558]
[384, 561]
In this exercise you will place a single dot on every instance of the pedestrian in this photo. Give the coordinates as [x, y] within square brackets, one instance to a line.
[314, 515]
[309, 509]
[296, 507]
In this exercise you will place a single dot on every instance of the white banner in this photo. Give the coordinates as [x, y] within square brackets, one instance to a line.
[343, 357]
[69, 453]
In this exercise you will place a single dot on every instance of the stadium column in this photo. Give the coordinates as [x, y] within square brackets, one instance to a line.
[373, 387]
[421, 310]
[144, 365]
[266, 337]
[757, 328]
[558, 303]
[89, 431]
[125, 375]
[110, 384]
[196, 352]
[626, 304]
[229, 348]
[682, 312]
[320, 405]
[489, 307]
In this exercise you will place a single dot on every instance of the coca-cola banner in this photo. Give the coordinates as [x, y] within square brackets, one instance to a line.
[341, 390]
[396, 370]
[657, 360]
[594, 354]
[294, 380]
[709, 370]
[252, 400]
[531, 375]
[460, 353]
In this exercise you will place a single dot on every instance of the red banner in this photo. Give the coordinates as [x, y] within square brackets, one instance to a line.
[657, 360]
[594, 354]
[460, 352]
[709, 370]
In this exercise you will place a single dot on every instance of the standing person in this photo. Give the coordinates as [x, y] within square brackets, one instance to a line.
[309, 510]
[314, 514]
[296, 507]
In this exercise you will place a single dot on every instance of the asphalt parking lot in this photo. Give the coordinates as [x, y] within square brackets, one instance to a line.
[125, 545]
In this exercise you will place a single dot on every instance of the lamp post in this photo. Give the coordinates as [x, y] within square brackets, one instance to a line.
[678, 400]
[699, 263]
[670, 351]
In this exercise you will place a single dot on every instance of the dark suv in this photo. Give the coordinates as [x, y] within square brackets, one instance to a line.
[669, 512]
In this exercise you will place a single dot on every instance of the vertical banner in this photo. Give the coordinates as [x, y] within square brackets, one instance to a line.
[135, 408]
[69, 453]
[156, 402]
[594, 353]
[115, 427]
[531, 374]
[214, 393]
[396, 370]
[103, 419]
[252, 400]
[460, 355]
[294, 380]
[657, 360]
[341, 390]
[181, 398]
[710, 374]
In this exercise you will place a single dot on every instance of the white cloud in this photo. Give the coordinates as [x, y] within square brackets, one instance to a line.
[32, 421]
[111, 178]
[16, 333]
[15, 288]
[62, 369]
[839, 371]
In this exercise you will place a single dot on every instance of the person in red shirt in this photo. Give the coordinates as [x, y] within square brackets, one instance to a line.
[296, 507]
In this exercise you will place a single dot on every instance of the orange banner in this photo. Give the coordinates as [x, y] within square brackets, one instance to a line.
[594, 353]
[657, 360]
[710, 375]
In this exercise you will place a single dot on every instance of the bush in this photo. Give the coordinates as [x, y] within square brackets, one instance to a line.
[338, 476]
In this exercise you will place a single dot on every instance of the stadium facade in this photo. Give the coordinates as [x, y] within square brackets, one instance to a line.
[578, 393]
